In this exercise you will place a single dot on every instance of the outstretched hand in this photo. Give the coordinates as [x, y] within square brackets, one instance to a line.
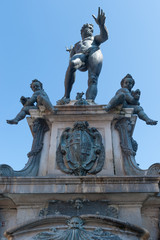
[100, 20]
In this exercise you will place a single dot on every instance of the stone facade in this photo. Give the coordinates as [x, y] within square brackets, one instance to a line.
[120, 201]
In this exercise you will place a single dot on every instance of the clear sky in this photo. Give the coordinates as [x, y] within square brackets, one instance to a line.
[33, 37]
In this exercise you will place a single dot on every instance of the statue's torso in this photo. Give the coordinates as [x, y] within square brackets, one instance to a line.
[85, 44]
[40, 93]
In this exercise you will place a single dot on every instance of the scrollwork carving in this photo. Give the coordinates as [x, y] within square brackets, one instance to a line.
[154, 169]
[31, 169]
[129, 147]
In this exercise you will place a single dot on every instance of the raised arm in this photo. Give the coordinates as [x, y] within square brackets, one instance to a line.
[100, 20]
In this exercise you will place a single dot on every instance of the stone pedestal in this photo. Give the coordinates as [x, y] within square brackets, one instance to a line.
[42, 201]
[97, 118]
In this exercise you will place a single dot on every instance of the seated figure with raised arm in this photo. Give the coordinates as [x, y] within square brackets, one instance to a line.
[86, 55]
[129, 99]
[39, 97]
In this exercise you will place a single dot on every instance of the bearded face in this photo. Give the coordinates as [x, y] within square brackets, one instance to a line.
[87, 31]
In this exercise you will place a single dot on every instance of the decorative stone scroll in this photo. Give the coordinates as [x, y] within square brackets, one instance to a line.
[154, 169]
[76, 231]
[80, 150]
[128, 144]
[31, 169]
[129, 147]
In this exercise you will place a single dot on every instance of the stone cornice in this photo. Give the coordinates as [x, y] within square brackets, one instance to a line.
[72, 184]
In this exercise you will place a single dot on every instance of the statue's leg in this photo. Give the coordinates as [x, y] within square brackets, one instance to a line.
[41, 100]
[115, 101]
[21, 115]
[76, 62]
[94, 69]
[143, 116]
[69, 80]
[91, 92]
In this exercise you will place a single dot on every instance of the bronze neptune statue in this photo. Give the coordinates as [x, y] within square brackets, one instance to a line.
[86, 55]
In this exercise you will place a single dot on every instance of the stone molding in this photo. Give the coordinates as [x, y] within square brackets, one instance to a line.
[74, 184]
[95, 111]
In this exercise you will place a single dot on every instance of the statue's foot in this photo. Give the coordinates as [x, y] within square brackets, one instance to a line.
[107, 108]
[111, 108]
[151, 122]
[63, 101]
[13, 121]
[54, 110]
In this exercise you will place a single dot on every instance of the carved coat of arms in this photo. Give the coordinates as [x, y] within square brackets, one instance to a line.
[80, 150]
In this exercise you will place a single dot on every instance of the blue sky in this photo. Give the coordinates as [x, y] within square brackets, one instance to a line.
[34, 34]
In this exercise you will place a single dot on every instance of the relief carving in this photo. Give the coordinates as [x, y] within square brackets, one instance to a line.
[75, 231]
[80, 150]
[78, 207]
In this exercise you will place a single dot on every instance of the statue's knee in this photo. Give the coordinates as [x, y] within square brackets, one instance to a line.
[93, 79]
[138, 109]
[122, 97]
[25, 109]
